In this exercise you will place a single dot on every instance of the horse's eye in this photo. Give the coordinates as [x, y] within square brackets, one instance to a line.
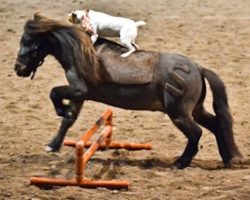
[35, 47]
[22, 51]
[26, 50]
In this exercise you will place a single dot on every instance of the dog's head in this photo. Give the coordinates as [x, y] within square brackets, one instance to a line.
[75, 17]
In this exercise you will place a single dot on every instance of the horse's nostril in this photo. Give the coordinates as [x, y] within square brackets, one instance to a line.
[17, 66]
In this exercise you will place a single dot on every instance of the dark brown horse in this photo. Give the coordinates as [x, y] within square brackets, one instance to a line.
[145, 80]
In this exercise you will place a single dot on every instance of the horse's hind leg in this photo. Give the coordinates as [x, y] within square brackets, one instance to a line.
[179, 107]
[184, 122]
[193, 134]
[210, 122]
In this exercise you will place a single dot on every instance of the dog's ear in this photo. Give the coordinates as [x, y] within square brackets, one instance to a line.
[69, 17]
[37, 16]
[72, 17]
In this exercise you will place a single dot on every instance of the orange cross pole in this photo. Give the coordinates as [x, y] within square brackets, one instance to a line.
[81, 160]
[103, 141]
[108, 122]
[88, 134]
[95, 145]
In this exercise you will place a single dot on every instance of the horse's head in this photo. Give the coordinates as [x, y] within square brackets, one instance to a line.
[69, 44]
[33, 46]
[30, 56]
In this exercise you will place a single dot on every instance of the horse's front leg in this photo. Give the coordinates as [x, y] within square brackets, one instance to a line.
[61, 93]
[69, 112]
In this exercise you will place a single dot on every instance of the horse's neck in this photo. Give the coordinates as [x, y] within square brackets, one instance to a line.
[78, 66]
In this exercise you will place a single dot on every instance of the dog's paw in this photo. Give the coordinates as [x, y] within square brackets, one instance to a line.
[124, 55]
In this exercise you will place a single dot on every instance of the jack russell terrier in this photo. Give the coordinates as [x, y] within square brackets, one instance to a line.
[104, 25]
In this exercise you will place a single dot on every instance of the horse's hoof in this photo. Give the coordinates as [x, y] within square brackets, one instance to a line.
[237, 160]
[49, 149]
[173, 167]
[180, 165]
[176, 167]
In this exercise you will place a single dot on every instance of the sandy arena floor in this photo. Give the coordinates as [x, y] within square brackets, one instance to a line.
[214, 33]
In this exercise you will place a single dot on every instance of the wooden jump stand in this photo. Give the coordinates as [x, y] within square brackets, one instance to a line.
[82, 157]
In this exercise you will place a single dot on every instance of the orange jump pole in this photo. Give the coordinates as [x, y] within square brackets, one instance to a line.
[113, 184]
[113, 145]
[81, 161]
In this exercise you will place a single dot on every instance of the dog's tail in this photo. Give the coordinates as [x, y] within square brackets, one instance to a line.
[140, 23]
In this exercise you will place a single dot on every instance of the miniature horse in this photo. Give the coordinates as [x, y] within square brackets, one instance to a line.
[146, 80]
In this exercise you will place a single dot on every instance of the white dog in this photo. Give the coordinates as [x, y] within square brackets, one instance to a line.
[103, 25]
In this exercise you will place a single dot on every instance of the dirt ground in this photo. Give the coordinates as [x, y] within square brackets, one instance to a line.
[214, 33]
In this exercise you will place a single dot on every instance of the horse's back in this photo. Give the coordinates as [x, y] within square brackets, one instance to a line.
[167, 70]
[138, 68]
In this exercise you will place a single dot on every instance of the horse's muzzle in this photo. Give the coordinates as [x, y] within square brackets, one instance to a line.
[21, 69]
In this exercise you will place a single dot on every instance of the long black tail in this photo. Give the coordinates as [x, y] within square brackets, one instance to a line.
[224, 121]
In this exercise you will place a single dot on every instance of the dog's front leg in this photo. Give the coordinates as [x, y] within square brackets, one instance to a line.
[94, 37]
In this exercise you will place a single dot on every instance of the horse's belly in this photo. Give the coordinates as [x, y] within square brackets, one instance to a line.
[133, 97]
